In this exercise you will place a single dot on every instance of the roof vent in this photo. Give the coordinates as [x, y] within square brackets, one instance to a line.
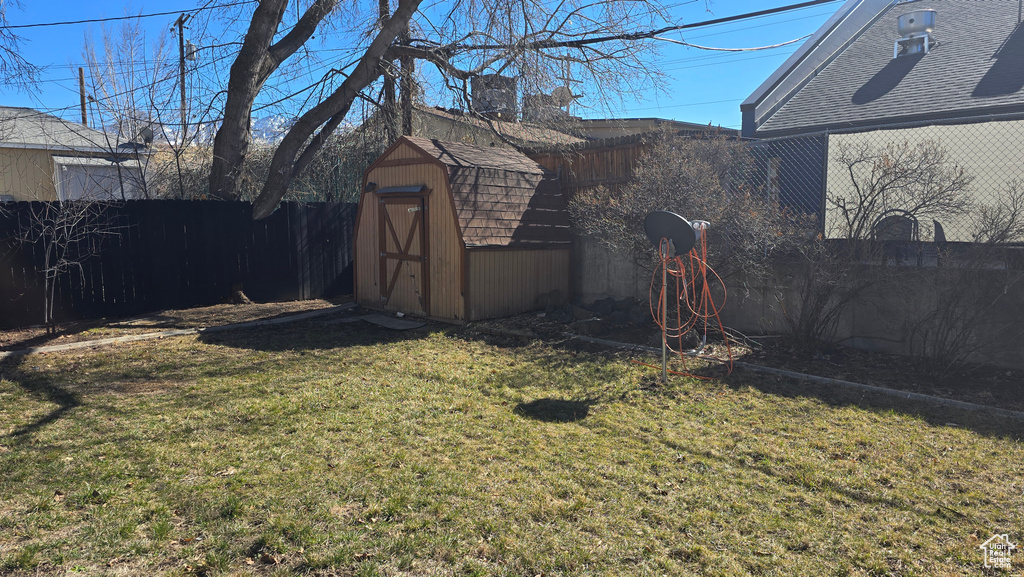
[915, 33]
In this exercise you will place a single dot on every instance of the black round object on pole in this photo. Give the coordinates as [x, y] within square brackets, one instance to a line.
[664, 224]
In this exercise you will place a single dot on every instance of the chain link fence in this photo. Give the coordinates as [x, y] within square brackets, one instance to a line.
[950, 182]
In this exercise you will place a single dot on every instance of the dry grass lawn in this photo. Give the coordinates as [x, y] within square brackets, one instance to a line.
[344, 449]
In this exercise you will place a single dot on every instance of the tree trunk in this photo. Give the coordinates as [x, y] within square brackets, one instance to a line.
[256, 61]
[291, 157]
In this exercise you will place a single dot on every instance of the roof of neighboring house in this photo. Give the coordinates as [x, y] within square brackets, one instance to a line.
[27, 128]
[502, 198]
[98, 161]
[520, 133]
[975, 68]
[603, 128]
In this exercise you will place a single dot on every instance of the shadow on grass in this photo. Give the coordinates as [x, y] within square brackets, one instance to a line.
[313, 334]
[41, 338]
[555, 410]
[981, 422]
[41, 387]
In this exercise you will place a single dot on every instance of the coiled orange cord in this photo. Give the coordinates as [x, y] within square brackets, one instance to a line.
[691, 277]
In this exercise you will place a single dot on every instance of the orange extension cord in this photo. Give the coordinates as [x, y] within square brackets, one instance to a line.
[699, 304]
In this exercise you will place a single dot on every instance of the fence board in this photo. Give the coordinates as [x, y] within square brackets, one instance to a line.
[176, 254]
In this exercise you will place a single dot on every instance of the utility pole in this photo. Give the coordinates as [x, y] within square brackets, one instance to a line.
[81, 92]
[180, 23]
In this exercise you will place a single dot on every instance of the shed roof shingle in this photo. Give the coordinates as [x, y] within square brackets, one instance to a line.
[502, 198]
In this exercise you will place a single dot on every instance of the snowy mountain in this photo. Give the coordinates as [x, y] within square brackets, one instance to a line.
[270, 129]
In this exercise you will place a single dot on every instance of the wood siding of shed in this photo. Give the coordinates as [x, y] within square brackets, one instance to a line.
[444, 241]
[505, 282]
[27, 174]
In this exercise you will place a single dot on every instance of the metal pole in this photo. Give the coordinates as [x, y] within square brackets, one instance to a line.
[81, 91]
[664, 315]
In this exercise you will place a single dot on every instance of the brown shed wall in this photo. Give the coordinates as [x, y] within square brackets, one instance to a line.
[505, 282]
[443, 238]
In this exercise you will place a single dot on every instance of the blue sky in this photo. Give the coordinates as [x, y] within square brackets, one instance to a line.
[701, 86]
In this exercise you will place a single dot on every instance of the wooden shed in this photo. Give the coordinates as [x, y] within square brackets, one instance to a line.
[459, 232]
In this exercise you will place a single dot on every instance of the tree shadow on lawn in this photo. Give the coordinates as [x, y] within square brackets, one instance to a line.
[40, 386]
[69, 389]
[313, 334]
[981, 422]
[38, 337]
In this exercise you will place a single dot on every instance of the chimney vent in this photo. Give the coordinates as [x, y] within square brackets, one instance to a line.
[915, 30]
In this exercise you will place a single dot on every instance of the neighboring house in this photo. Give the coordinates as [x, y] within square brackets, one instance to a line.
[593, 128]
[455, 125]
[859, 81]
[43, 157]
[583, 152]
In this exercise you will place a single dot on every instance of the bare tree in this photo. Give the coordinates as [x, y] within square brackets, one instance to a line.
[920, 180]
[15, 71]
[603, 40]
[134, 94]
[68, 233]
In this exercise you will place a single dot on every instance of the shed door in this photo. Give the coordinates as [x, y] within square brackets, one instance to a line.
[403, 256]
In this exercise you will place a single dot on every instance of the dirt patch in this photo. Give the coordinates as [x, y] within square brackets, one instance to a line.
[198, 317]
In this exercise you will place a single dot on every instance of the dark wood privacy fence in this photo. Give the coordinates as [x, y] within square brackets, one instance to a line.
[175, 253]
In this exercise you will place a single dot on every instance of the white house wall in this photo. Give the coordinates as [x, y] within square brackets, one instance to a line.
[991, 152]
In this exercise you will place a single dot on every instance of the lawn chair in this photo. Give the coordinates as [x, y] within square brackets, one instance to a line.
[897, 229]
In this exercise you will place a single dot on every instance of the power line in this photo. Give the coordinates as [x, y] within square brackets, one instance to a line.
[757, 14]
[760, 25]
[118, 18]
[706, 23]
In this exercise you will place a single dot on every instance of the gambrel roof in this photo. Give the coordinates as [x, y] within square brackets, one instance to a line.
[501, 197]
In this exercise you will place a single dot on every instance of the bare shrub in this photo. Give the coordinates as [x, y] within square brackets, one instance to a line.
[828, 275]
[959, 309]
[1003, 220]
[68, 232]
[700, 179]
[920, 180]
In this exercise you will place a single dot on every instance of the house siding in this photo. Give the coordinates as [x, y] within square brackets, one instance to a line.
[990, 152]
[27, 174]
